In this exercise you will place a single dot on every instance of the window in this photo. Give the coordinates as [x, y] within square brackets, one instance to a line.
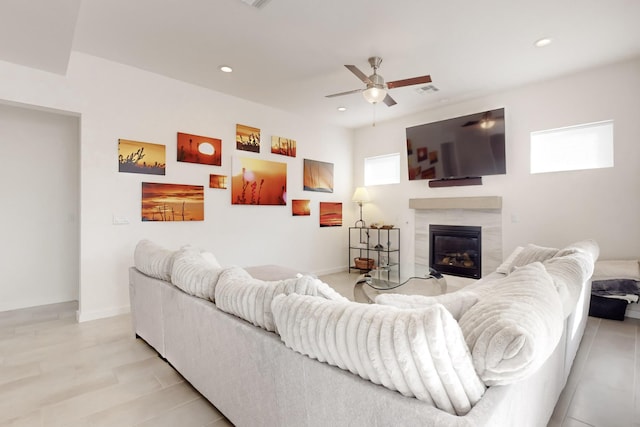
[588, 146]
[380, 170]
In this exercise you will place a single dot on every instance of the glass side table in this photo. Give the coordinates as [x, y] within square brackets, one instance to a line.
[369, 285]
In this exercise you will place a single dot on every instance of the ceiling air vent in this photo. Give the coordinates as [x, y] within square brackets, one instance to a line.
[428, 88]
[256, 3]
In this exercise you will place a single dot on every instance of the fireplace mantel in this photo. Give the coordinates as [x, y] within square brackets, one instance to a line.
[486, 202]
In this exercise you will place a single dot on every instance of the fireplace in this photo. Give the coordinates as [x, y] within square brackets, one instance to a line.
[456, 250]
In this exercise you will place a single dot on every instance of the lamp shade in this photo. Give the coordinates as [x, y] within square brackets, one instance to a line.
[361, 195]
[374, 94]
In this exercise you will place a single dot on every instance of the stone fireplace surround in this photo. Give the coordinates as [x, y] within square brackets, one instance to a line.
[485, 212]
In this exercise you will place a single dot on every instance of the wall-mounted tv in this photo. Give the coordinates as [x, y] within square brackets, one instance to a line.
[462, 147]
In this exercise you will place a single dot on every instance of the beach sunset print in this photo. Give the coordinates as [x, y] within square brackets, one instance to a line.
[172, 202]
[330, 214]
[141, 157]
[258, 182]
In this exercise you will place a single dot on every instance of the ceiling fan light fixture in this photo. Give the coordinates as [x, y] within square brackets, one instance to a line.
[374, 94]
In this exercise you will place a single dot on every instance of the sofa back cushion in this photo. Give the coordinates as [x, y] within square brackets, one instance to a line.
[240, 294]
[515, 325]
[457, 303]
[196, 272]
[530, 254]
[419, 352]
[153, 260]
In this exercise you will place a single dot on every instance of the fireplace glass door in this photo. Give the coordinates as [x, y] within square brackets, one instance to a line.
[456, 250]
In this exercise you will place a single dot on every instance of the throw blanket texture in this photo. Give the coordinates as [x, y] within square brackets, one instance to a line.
[240, 294]
[515, 325]
[420, 353]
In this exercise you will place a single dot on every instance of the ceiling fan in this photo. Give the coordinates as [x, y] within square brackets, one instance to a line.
[376, 89]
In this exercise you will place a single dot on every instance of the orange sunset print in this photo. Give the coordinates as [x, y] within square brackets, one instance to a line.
[141, 157]
[172, 202]
[330, 214]
[301, 207]
[199, 149]
[258, 182]
[247, 138]
[284, 146]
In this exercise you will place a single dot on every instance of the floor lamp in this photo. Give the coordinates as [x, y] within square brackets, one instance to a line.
[360, 196]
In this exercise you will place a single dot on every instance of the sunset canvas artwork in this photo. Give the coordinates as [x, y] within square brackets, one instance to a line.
[172, 202]
[284, 146]
[141, 157]
[247, 138]
[199, 149]
[318, 176]
[330, 214]
[301, 207]
[258, 182]
[217, 181]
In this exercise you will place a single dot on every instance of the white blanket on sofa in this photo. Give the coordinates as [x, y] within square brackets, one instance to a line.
[420, 353]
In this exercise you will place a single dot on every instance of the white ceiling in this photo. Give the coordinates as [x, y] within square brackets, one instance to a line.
[289, 54]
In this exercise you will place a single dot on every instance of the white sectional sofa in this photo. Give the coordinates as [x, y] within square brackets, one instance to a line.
[273, 352]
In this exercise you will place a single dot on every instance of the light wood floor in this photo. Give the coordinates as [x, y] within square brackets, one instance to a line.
[57, 372]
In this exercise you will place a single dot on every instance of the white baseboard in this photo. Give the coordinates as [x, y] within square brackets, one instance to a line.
[86, 316]
[331, 271]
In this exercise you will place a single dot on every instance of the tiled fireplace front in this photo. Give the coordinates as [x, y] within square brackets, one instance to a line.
[483, 212]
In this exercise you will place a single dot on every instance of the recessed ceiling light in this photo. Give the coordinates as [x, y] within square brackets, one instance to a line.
[542, 42]
[226, 69]
[342, 109]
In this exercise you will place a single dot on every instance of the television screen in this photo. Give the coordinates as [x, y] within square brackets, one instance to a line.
[468, 146]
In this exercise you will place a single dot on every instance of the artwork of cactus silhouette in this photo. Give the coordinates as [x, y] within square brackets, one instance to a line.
[172, 202]
[141, 157]
[284, 146]
[318, 176]
[247, 138]
[199, 149]
[258, 182]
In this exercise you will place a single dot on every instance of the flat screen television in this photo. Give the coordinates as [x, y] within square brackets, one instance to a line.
[462, 147]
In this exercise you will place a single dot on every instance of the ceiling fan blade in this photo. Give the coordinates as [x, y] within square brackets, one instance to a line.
[409, 82]
[359, 74]
[389, 101]
[344, 93]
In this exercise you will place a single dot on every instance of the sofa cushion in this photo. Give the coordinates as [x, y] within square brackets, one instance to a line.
[420, 353]
[532, 253]
[505, 267]
[153, 260]
[196, 272]
[240, 294]
[569, 273]
[457, 303]
[515, 325]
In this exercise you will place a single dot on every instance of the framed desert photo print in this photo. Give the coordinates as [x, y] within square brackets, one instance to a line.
[172, 202]
[141, 157]
[247, 138]
[199, 149]
[301, 207]
[258, 182]
[330, 214]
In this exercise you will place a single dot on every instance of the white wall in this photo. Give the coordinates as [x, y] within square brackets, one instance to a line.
[549, 209]
[39, 183]
[116, 101]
